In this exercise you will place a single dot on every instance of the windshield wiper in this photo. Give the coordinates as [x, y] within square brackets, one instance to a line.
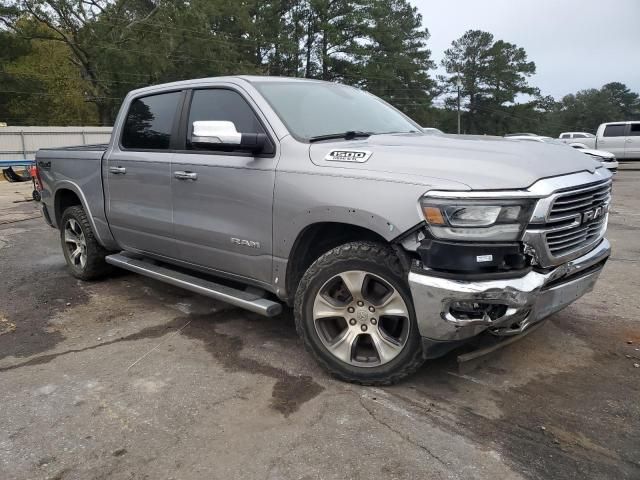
[349, 135]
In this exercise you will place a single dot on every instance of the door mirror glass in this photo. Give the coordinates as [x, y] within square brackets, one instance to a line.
[222, 135]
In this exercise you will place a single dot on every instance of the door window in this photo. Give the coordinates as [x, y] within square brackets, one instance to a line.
[635, 130]
[579, 135]
[565, 135]
[615, 130]
[149, 122]
[222, 104]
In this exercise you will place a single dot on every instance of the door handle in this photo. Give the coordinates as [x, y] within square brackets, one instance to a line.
[117, 170]
[180, 175]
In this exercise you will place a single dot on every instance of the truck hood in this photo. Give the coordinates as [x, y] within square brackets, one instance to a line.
[482, 163]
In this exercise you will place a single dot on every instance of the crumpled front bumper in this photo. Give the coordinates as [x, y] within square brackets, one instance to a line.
[523, 301]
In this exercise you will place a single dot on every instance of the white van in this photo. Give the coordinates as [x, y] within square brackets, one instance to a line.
[620, 138]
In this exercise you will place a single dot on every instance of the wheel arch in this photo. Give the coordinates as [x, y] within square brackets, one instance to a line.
[315, 240]
[64, 198]
[68, 194]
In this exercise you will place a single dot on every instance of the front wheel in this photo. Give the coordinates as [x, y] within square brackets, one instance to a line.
[355, 315]
[83, 253]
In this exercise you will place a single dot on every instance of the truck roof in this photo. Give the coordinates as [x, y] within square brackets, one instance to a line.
[229, 78]
[621, 121]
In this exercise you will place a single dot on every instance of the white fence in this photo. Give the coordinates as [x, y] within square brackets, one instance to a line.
[20, 143]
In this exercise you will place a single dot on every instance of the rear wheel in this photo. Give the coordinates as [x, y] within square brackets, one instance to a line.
[83, 253]
[355, 315]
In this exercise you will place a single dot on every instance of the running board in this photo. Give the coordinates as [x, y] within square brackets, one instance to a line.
[239, 298]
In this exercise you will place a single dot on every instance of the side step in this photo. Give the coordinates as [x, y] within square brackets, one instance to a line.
[239, 298]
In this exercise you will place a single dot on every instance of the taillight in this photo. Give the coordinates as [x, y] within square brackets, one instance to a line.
[35, 173]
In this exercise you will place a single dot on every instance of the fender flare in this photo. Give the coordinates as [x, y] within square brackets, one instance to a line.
[72, 186]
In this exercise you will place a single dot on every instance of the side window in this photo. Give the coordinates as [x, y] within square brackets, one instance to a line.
[565, 135]
[614, 130]
[635, 130]
[579, 135]
[149, 122]
[222, 104]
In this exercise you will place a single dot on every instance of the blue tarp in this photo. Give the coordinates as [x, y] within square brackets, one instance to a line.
[16, 163]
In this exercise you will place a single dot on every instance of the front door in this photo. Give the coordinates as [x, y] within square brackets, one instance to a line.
[613, 139]
[137, 176]
[222, 200]
[632, 142]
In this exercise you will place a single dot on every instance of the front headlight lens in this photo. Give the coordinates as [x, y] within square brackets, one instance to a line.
[489, 220]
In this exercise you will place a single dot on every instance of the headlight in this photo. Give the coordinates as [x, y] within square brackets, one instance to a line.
[488, 220]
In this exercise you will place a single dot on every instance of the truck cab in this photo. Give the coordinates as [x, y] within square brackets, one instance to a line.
[620, 138]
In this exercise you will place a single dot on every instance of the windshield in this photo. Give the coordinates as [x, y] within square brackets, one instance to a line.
[311, 109]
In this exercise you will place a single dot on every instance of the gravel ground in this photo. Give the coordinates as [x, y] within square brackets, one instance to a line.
[130, 379]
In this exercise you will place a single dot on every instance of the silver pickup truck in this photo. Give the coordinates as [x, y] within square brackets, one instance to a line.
[392, 246]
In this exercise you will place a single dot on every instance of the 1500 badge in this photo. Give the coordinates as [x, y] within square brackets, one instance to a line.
[347, 155]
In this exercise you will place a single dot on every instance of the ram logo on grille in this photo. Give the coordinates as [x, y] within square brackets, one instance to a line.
[593, 214]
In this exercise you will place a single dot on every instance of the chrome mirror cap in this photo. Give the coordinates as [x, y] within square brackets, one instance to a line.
[215, 131]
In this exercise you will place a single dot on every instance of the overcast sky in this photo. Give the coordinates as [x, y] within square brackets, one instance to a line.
[576, 44]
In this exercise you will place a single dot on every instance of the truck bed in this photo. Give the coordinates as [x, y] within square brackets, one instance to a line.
[77, 169]
[80, 148]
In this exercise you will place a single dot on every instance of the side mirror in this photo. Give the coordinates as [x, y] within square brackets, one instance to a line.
[211, 135]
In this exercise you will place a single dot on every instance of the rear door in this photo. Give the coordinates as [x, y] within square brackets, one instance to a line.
[632, 142]
[222, 213]
[613, 139]
[138, 175]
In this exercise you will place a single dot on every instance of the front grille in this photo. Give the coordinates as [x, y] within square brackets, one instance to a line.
[566, 241]
[580, 200]
[568, 231]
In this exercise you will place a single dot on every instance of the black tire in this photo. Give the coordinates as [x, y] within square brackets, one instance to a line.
[376, 259]
[95, 266]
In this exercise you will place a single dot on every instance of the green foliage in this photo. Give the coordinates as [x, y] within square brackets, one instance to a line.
[589, 108]
[394, 61]
[492, 74]
[73, 61]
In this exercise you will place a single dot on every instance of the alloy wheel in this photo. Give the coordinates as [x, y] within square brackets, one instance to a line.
[361, 319]
[75, 243]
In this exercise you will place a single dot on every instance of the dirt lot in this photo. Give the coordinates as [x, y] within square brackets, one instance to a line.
[130, 379]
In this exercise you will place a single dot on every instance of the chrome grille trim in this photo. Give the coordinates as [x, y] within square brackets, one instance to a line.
[568, 204]
[558, 233]
[575, 238]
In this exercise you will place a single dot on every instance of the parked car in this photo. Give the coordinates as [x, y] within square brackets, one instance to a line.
[584, 139]
[608, 159]
[525, 134]
[432, 131]
[620, 138]
[392, 246]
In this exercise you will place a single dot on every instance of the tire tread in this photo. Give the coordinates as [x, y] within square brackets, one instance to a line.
[361, 250]
[96, 267]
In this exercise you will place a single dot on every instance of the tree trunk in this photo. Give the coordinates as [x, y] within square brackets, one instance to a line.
[104, 113]
[325, 47]
[309, 46]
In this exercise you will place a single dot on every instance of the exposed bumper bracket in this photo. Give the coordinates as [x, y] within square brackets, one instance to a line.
[523, 301]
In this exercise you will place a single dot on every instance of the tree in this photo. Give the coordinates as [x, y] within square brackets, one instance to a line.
[624, 100]
[96, 32]
[114, 46]
[394, 60]
[587, 109]
[492, 73]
